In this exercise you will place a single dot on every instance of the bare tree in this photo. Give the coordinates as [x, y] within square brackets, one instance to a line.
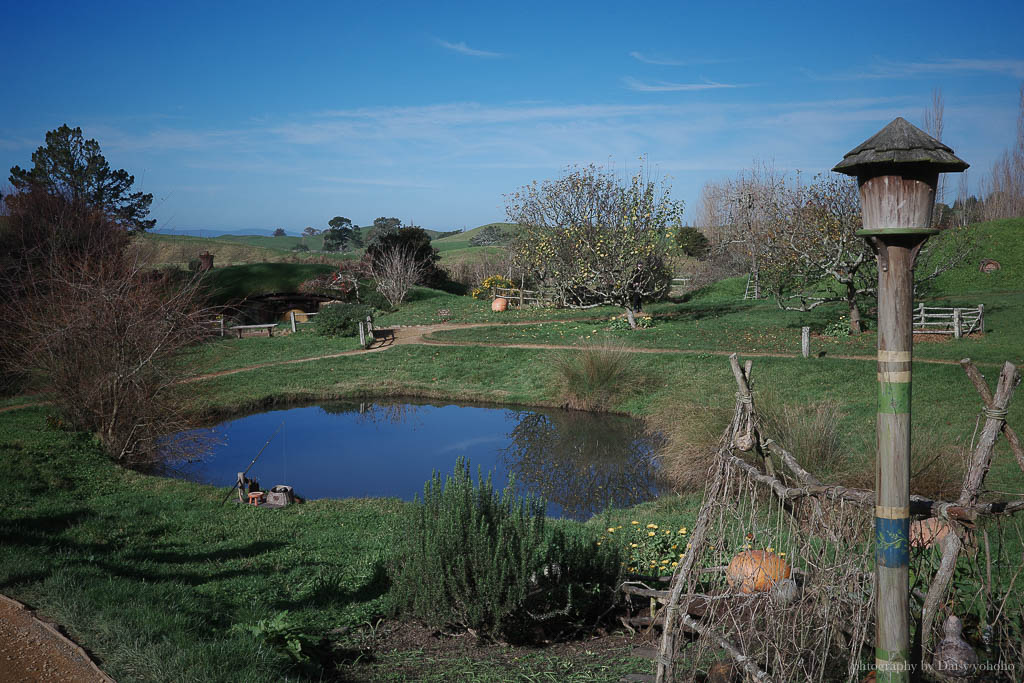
[94, 326]
[740, 214]
[396, 270]
[1004, 189]
[932, 118]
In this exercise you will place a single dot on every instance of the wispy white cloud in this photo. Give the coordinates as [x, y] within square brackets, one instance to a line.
[659, 61]
[663, 86]
[888, 70]
[464, 49]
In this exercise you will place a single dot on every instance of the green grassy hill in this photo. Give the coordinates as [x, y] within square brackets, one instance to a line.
[237, 282]
[461, 241]
[231, 249]
[287, 243]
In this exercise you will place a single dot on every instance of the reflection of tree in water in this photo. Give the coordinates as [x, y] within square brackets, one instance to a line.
[581, 461]
[375, 413]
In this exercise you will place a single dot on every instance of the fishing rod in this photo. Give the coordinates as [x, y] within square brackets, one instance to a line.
[241, 478]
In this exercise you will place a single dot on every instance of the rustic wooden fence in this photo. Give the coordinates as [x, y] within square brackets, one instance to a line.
[954, 321]
[300, 319]
[767, 491]
[521, 297]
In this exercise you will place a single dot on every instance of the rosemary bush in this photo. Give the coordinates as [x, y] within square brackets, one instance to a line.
[482, 560]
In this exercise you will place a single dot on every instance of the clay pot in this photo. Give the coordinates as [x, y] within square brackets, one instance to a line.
[499, 304]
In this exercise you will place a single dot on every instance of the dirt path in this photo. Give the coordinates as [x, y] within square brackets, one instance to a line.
[34, 651]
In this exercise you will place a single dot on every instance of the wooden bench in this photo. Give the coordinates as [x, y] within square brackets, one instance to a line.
[383, 334]
[269, 327]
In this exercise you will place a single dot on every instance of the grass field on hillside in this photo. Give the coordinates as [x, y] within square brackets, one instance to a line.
[228, 250]
[234, 283]
[461, 240]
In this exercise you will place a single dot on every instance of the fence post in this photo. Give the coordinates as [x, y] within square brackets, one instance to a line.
[957, 318]
[805, 341]
[362, 334]
[291, 314]
[369, 324]
[981, 318]
[222, 326]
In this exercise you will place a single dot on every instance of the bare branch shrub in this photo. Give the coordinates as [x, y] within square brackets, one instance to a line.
[396, 271]
[89, 322]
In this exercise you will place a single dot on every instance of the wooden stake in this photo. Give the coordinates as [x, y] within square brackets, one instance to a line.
[805, 341]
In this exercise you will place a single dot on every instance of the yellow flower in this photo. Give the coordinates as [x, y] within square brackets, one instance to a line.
[688, 545]
[667, 532]
[674, 546]
[675, 564]
[611, 530]
[599, 542]
[632, 545]
[782, 554]
[634, 522]
[652, 526]
[681, 555]
[650, 533]
[664, 561]
[770, 549]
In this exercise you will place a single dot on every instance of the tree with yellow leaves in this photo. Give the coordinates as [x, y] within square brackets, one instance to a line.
[595, 238]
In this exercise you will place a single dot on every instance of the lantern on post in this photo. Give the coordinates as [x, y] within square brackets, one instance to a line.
[897, 170]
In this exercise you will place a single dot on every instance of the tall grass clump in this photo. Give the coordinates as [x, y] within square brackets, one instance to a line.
[596, 377]
[809, 431]
[690, 434]
[488, 562]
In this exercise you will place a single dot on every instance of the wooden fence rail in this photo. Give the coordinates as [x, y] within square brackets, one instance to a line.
[522, 296]
[954, 321]
[294, 322]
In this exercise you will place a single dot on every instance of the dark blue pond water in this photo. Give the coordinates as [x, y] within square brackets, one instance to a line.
[579, 462]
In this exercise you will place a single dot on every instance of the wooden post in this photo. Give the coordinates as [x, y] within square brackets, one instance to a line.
[369, 325]
[222, 326]
[362, 334]
[981, 318]
[897, 198]
[957, 323]
[805, 341]
[291, 314]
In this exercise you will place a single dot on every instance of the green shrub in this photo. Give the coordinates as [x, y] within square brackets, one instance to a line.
[478, 559]
[369, 296]
[340, 320]
[596, 376]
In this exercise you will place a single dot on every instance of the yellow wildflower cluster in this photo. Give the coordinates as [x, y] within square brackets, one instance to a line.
[650, 549]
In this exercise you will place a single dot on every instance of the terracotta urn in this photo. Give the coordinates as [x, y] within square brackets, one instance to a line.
[499, 304]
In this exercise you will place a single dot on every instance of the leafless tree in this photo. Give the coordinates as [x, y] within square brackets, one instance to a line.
[91, 324]
[396, 271]
[1004, 189]
[739, 214]
[932, 117]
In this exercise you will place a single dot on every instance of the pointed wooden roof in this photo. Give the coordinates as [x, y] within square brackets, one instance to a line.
[900, 143]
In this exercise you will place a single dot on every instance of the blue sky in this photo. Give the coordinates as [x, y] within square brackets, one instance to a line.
[253, 115]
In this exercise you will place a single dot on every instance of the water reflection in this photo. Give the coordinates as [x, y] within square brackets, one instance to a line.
[579, 462]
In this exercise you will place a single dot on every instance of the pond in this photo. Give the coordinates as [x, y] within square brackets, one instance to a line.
[579, 462]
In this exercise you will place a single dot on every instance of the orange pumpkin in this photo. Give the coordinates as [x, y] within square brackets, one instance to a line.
[754, 571]
[500, 304]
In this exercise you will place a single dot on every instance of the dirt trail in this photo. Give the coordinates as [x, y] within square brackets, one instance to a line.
[35, 651]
